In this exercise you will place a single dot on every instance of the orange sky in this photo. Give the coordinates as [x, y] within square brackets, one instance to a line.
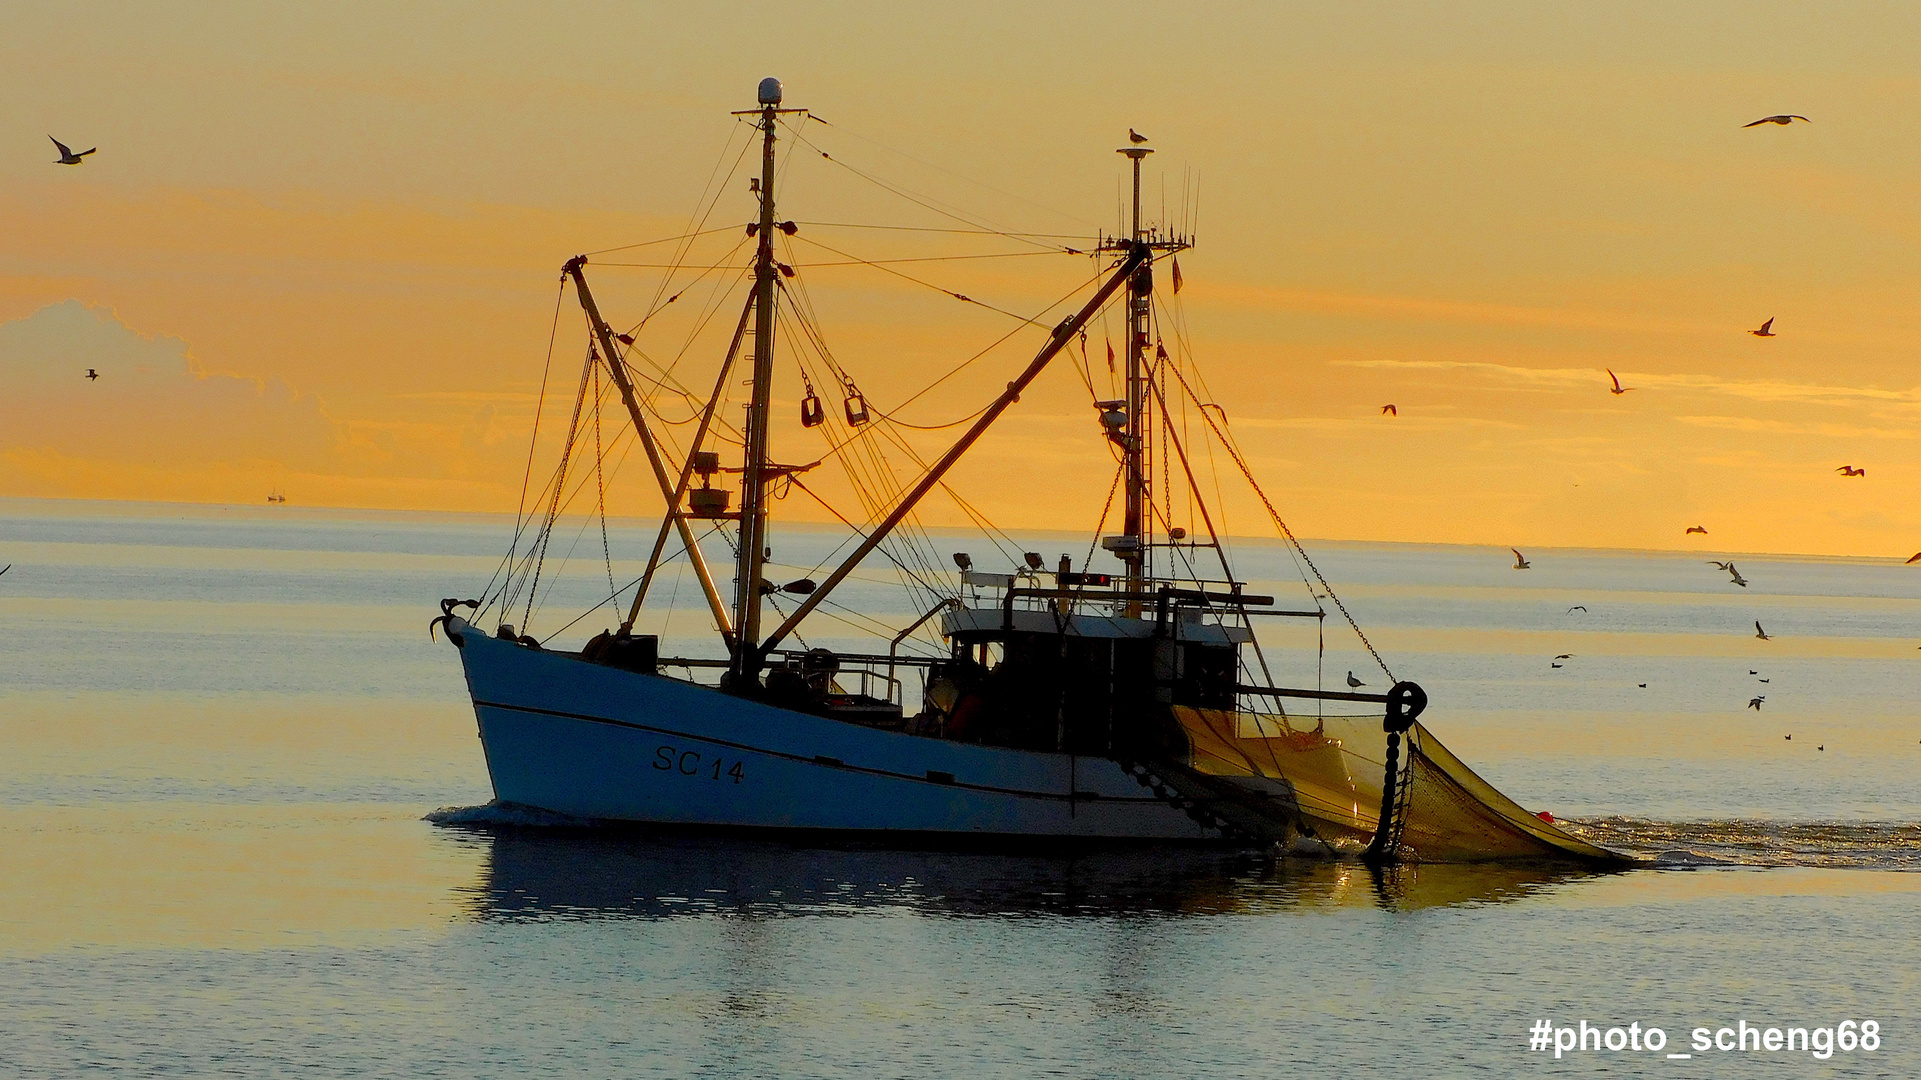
[317, 250]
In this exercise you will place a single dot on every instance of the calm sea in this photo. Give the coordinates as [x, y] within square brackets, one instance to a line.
[223, 730]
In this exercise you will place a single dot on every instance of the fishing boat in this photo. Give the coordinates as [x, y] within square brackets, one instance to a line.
[1056, 705]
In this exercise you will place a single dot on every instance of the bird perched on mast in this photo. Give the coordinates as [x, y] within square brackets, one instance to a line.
[1135, 137]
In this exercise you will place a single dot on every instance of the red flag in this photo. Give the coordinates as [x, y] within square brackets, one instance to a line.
[1110, 358]
[1177, 274]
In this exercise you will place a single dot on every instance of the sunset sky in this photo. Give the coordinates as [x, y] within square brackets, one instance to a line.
[318, 248]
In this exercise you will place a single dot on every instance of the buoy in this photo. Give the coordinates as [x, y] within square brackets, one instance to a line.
[1545, 816]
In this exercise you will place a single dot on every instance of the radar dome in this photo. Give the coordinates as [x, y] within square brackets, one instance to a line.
[770, 91]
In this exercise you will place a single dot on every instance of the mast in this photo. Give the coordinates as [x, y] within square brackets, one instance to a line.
[1140, 297]
[752, 558]
[1132, 546]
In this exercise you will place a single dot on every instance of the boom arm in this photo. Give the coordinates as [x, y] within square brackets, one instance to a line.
[612, 356]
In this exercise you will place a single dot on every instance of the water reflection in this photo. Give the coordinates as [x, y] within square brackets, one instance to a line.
[543, 874]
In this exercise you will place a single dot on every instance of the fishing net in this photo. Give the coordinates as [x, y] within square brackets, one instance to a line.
[1336, 768]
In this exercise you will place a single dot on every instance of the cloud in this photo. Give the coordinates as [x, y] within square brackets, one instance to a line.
[1769, 391]
[153, 404]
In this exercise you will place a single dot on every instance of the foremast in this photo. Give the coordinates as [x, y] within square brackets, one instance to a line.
[751, 559]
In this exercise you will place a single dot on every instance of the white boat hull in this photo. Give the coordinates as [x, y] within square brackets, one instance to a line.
[600, 743]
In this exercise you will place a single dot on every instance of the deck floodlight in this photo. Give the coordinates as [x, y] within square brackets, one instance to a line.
[962, 560]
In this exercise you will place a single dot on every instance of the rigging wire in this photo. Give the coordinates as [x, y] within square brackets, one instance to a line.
[527, 477]
[926, 202]
[1090, 240]
[1240, 462]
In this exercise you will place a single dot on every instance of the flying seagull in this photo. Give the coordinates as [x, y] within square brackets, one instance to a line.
[1520, 560]
[1849, 470]
[1916, 559]
[1789, 738]
[1751, 671]
[1583, 607]
[1389, 410]
[1755, 703]
[1823, 746]
[1735, 576]
[68, 157]
[1767, 329]
[1618, 389]
[1554, 665]
[1702, 529]
[1565, 656]
[1643, 686]
[1783, 119]
[1760, 633]
[1720, 565]
[1135, 137]
[4, 569]
[1354, 682]
[91, 374]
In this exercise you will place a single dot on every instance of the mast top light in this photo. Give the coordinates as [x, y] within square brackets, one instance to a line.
[770, 91]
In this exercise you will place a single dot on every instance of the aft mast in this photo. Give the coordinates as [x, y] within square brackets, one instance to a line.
[1132, 545]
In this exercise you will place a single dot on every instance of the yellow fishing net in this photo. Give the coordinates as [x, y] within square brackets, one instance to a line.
[1336, 768]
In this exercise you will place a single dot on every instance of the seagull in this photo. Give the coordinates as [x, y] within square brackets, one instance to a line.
[1783, 119]
[1565, 656]
[1389, 410]
[68, 157]
[1849, 470]
[1354, 682]
[1760, 633]
[1135, 137]
[91, 374]
[1618, 389]
[1520, 560]
[1751, 671]
[1823, 746]
[1916, 559]
[1643, 686]
[1583, 607]
[4, 569]
[1702, 529]
[1789, 738]
[1766, 329]
[1764, 680]
[1720, 565]
[1735, 576]
[1755, 703]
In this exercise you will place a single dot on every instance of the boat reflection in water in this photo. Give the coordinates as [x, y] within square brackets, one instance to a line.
[545, 874]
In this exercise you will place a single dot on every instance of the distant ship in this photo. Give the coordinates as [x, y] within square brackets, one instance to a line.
[1063, 706]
